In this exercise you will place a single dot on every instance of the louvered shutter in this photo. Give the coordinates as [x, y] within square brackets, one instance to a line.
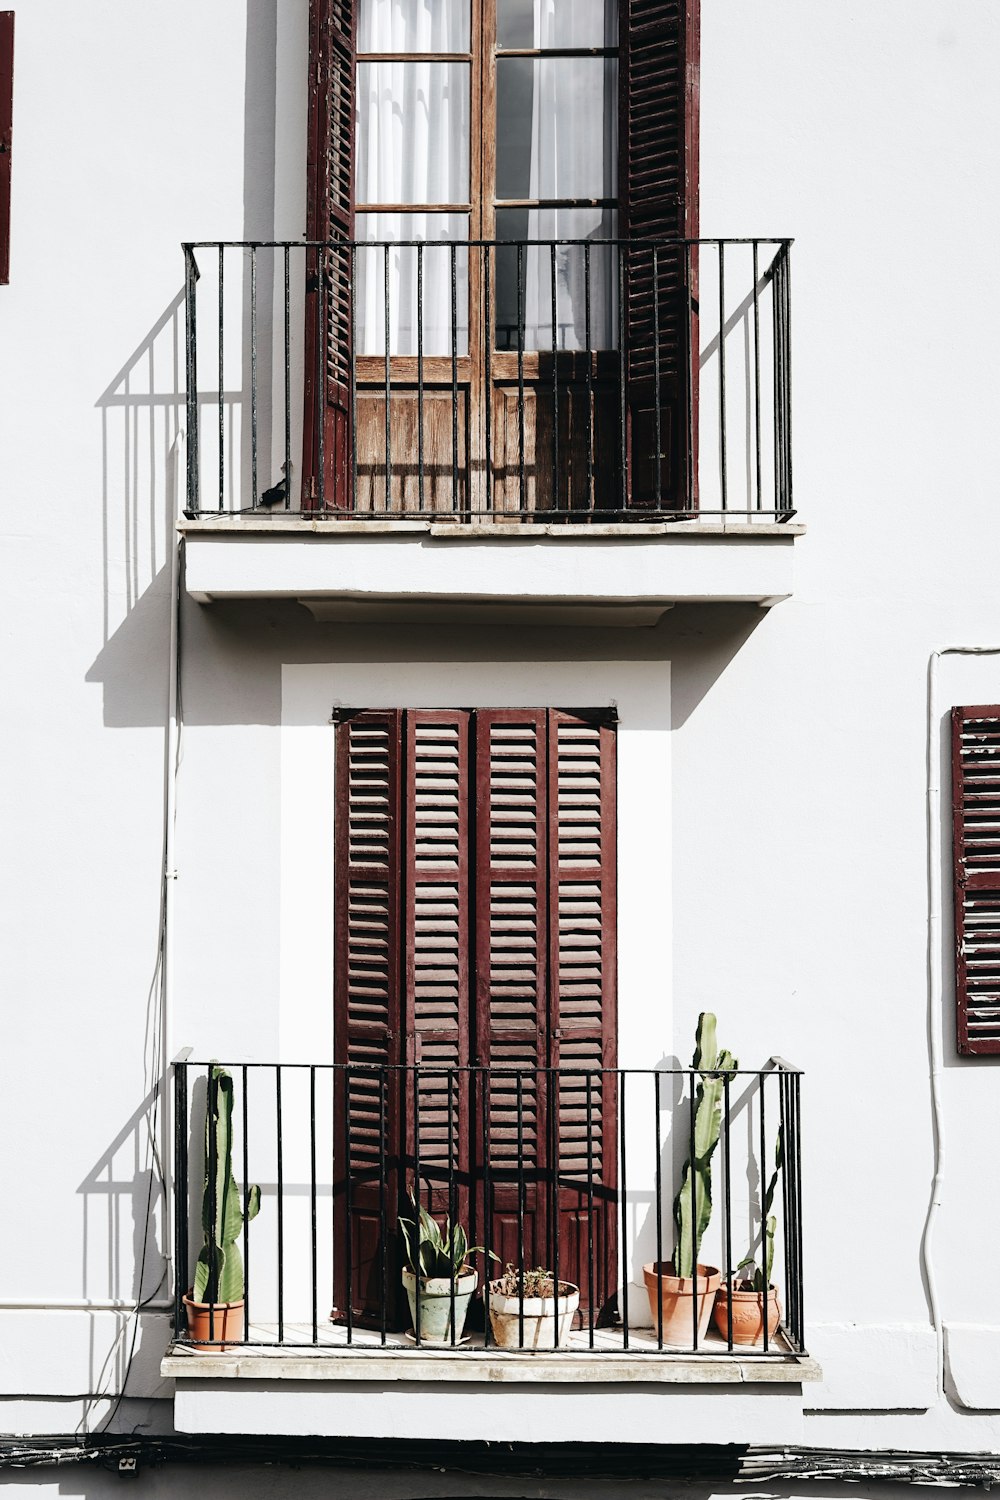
[436, 938]
[367, 988]
[6, 124]
[659, 201]
[330, 185]
[976, 850]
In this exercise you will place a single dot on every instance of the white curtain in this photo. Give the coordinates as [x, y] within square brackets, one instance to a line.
[412, 147]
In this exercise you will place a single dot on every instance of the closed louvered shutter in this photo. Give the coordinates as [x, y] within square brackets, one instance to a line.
[367, 1020]
[327, 427]
[6, 124]
[976, 847]
[659, 201]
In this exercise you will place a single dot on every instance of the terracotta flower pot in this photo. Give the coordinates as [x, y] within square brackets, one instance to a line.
[676, 1296]
[214, 1323]
[539, 1318]
[748, 1312]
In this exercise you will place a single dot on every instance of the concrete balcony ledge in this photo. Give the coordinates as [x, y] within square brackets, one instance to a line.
[425, 570]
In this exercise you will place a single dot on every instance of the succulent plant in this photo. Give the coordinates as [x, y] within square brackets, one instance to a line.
[536, 1283]
[693, 1204]
[431, 1252]
[218, 1275]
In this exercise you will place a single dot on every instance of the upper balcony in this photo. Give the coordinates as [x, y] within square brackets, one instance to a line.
[577, 430]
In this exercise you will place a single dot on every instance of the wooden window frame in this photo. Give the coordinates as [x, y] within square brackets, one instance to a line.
[6, 131]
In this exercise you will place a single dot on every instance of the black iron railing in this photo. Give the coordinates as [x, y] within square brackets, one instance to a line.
[574, 1170]
[553, 380]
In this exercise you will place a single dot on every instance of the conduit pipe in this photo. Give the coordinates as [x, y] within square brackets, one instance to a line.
[935, 981]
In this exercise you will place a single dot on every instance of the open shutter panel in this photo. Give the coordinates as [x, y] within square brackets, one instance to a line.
[659, 199]
[976, 843]
[367, 1018]
[582, 874]
[6, 125]
[436, 938]
[327, 426]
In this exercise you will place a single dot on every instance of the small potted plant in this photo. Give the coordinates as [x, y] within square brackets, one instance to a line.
[745, 1294]
[530, 1301]
[437, 1275]
[215, 1302]
[674, 1286]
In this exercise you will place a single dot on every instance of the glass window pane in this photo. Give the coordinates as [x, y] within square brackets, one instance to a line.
[557, 131]
[427, 272]
[414, 26]
[413, 133]
[557, 23]
[582, 321]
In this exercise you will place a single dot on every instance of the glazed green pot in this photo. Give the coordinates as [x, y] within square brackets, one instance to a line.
[435, 1304]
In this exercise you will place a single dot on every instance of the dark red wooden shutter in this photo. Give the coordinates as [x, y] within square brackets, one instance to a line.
[659, 201]
[330, 218]
[976, 848]
[367, 989]
[6, 124]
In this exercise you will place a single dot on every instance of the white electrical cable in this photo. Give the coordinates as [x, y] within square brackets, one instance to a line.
[935, 987]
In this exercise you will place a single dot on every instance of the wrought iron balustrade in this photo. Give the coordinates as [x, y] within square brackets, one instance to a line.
[571, 1169]
[566, 381]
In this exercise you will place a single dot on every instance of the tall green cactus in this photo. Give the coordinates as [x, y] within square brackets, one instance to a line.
[693, 1204]
[218, 1275]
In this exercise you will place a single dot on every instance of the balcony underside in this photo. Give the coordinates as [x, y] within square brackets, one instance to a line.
[441, 571]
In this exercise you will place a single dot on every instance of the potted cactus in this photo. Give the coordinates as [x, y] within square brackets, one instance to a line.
[674, 1286]
[437, 1276]
[215, 1302]
[745, 1295]
[527, 1313]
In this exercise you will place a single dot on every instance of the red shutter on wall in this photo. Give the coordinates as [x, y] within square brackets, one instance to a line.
[330, 217]
[659, 200]
[976, 850]
[6, 123]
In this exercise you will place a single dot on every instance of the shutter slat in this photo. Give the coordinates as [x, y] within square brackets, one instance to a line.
[976, 854]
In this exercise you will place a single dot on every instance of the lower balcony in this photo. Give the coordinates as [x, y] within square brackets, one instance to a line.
[588, 431]
[574, 1173]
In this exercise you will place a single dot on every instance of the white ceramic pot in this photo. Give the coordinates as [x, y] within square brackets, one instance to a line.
[539, 1319]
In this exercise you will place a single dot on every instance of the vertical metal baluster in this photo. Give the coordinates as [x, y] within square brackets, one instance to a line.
[454, 383]
[761, 1077]
[281, 1207]
[287, 288]
[800, 1320]
[521, 336]
[416, 1191]
[484, 1083]
[727, 1178]
[590, 376]
[694, 1215]
[253, 374]
[450, 1080]
[322, 338]
[388, 385]
[787, 283]
[382, 1218]
[553, 1106]
[591, 1266]
[555, 402]
[756, 366]
[776, 380]
[312, 1203]
[222, 416]
[191, 371]
[348, 1206]
[180, 1196]
[723, 458]
[246, 1237]
[520, 1209]
[354, 380]
[488, 334]
[624, 1208]
[656, 375]
[659, 1212]
[691, 365]
[420, 376]
[622, 393]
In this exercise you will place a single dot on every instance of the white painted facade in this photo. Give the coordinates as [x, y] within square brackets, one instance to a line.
[784, 824]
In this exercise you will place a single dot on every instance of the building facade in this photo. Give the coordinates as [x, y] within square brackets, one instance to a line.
[439, 674]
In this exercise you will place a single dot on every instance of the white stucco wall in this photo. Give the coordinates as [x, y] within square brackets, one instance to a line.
[796, 739]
